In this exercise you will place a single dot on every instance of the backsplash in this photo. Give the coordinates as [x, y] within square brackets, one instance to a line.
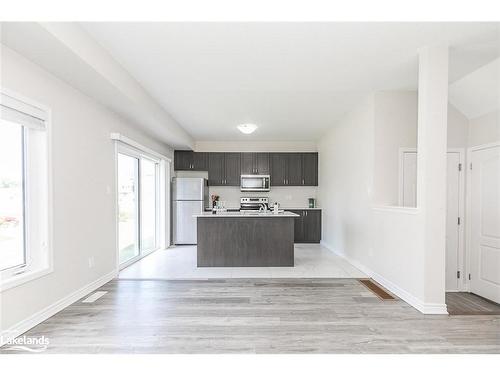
[286, 196]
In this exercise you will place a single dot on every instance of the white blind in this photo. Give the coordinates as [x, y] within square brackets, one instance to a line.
[14, 110]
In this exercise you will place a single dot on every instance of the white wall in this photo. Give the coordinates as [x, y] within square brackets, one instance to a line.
[458, 128]
[384, 242]
[346, 182]
[484, 129]
[396, 127]
[351, 226]
[83, 187]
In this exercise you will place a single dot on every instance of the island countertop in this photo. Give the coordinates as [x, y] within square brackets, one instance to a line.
[247, 214]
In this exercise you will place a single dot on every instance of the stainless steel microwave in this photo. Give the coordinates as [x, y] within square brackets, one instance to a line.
[254, 182]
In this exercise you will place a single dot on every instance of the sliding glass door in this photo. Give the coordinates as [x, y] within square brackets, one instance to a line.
[138, 205]
[149, 205]
[128, 207]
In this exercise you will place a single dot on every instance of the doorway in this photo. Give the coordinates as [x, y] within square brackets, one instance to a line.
[455, 275]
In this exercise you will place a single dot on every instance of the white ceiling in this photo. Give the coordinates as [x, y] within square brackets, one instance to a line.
[292, 79]
[478, 93]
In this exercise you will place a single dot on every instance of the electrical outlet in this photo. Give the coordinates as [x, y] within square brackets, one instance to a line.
[91, 262]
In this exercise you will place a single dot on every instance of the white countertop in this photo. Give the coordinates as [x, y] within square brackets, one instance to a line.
[247, 214]
[301, 208]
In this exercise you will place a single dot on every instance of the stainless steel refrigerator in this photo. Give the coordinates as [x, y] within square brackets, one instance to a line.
[190, 197]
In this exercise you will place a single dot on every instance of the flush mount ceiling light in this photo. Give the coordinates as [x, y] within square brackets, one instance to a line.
[247, 128]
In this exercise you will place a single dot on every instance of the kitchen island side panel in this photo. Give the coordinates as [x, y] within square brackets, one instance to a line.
[245, 241]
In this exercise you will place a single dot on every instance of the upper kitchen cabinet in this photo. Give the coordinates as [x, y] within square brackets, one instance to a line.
[190, 161]
[294, 169]
[224, 168]
[254, 163]
[310, 169]
[279, 168]
[294, 172]
[232, 168]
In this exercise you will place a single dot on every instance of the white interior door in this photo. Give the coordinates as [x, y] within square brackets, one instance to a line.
[408, 197]
[485, 223]
[452, 223]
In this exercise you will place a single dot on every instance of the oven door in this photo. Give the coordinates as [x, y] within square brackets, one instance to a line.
[251, 182]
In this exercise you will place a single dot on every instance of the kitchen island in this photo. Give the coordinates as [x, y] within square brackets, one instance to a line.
[237, 239]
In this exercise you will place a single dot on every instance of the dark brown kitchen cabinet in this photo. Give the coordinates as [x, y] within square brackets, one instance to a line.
[216, 168]
[312, 226]
[261, 162]
[232, 168]
[190, 161]
[294, 169]
[279, 168]
[310, 169]
[224, 168]
[254, 163]
[307, 228]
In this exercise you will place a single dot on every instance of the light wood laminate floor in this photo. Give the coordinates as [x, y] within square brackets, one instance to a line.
[259, 316]
[462, 303]
[179, 262]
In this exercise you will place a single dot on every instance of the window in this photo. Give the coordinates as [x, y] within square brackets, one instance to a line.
[12, 202]
[138, 192]
[24, 219]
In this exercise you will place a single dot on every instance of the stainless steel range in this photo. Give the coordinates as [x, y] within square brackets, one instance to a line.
[252, 204]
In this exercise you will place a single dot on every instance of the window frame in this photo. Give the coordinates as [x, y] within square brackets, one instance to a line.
[39, 258]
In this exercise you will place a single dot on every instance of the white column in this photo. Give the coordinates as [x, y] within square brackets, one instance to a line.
[431, 171]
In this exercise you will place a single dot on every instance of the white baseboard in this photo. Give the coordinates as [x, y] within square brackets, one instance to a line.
[37, 318]
[425, 308]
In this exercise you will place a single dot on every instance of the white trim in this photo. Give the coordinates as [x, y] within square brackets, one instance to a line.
[462, 215]
[425, 308]
[397, 209]
[121, 138]
[484, 146]
[22, 278]
[44, 314]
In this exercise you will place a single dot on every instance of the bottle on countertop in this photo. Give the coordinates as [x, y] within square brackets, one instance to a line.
[276, 208]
